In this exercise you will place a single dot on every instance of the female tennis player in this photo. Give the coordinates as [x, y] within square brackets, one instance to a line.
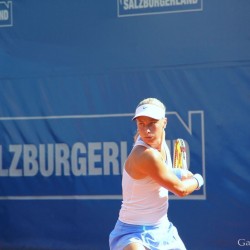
[148, 176]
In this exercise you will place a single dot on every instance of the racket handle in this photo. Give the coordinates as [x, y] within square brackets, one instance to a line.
[199, 179]
[180, 172]
[177, 172]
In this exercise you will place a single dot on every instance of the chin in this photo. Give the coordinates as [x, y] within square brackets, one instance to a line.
[148, 140]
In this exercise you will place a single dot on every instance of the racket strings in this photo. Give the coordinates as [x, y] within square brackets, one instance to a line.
[180, 160]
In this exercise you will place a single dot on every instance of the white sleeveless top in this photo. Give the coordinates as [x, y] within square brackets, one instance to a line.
[144, 201]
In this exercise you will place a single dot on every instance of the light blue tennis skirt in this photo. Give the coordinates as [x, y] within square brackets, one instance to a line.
[160, 237]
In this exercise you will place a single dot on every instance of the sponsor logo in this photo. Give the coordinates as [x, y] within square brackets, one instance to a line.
[76, 162]
[150, 7]
[6, 14]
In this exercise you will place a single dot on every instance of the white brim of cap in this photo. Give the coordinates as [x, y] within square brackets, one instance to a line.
[150, 110]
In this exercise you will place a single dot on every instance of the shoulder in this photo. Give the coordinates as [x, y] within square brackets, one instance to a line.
[144, 154]
[141, 161]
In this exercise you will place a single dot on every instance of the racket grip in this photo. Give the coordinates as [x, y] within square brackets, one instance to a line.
[199, 180]
[177, 172]
[180, 172]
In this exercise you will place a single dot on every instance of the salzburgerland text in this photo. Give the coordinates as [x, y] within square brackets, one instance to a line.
[141, 4]
[6, 15]
[92, 159]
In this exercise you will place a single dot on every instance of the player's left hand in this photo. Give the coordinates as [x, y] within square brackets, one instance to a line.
[186, 174]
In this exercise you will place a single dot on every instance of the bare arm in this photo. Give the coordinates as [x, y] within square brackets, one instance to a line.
[150, 163]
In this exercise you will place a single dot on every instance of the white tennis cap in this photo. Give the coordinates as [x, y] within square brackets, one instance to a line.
[149, 110]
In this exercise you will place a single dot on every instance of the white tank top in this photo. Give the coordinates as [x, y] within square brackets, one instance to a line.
[145, 202]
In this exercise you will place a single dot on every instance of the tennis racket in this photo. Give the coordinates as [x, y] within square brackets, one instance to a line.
[180, 155]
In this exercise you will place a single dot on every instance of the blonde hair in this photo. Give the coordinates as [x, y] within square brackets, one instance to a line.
[153, 101]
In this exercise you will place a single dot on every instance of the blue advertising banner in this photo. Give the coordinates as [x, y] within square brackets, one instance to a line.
[71, 76]
[77, 159]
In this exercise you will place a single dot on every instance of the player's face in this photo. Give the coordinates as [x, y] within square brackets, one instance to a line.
[151, 130]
